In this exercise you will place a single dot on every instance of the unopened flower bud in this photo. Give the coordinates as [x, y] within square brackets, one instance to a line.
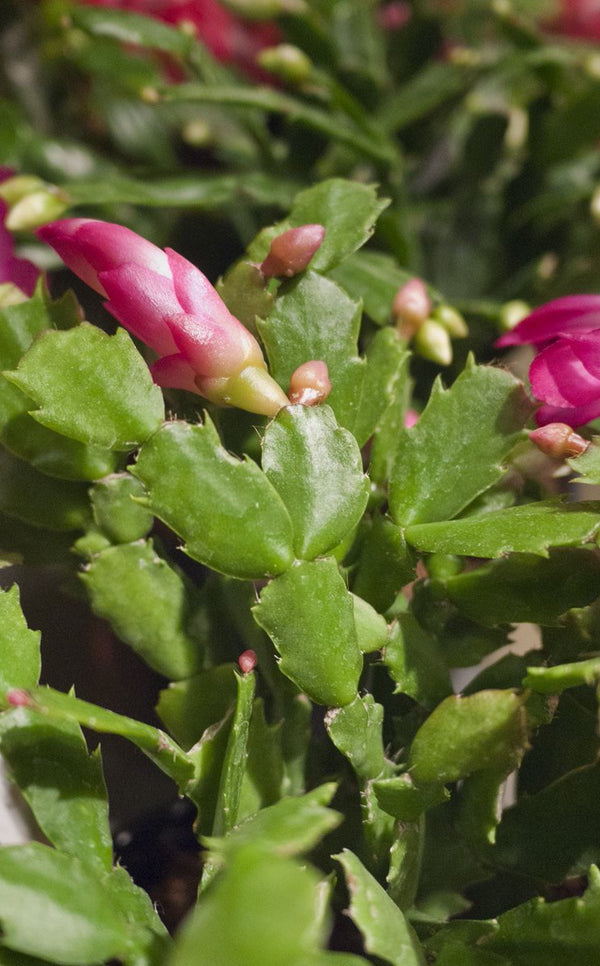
[31, 201]
[451, 320]
[511, 314]
[247, 661]
[309, 384]
[411, 306]
[559, 441]
[37, 209]
[286, 61]
[19, 186]
[433, 342]
[411, 418]
[291, 251]
[264, 9]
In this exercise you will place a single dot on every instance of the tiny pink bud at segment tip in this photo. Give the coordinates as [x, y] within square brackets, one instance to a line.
[559, 440]
[291, 251]
[247, 661]
[309, 384]
[18, 698]
[411, 307]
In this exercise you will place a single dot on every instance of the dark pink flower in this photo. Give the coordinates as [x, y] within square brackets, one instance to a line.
[565, 374]
[577, 18]
[169, 304]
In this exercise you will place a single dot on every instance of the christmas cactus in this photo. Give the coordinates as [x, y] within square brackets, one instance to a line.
[328, 512]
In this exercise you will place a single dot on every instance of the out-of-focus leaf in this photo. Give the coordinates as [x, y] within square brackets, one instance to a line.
[41, 500]
[338, 128]
[385, 564]
[553, 680]
[415, 662]
[91, 387]
[231, 517]
[290, 827]
[156, 744]
[316, 468]
[386, 932]
[542, 933]
[400, 797]
[309, 616]
[189, 707]
[131, 28]
[523, 588]
[588, 464]
[463, 735]
[62, 783]
[75, 919]
[117, 510]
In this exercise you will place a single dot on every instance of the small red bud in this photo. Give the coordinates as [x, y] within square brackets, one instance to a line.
[247, 661]
[291, 251]
[558, 440]
[411, 307]
[18, 698]
[309, 384]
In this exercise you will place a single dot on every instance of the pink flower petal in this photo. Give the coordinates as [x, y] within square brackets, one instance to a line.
[212, 350]
[195, 294]
[141, 299]
[88, 247]
[563, 316]
[559, 378]
[173, 372]
[106, 245]
[573, 416]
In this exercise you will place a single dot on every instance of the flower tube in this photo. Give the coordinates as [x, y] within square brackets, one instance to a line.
[565, 374]
[166, 302]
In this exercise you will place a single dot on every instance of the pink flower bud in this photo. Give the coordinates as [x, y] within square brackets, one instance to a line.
[559, 440]
[411, 307]
[309, 384]
[168, 303]
[18, 698]
[247, 661]
[411, 418]
[291, 251]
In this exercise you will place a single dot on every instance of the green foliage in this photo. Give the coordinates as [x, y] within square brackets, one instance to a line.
[312, 588]
[203, 493]
[316, 468]
[309, 616]
[91, 387]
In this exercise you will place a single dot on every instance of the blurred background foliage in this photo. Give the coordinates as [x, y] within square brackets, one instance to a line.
[479, 121]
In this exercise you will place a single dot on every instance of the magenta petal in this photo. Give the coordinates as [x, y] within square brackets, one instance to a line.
[195, 293]
[563, 316]
[587, 348]
[209, 349]
[106, 245]
[573, 416]
[62, 237]
[559, 378]
[174, 372]
[141, 299]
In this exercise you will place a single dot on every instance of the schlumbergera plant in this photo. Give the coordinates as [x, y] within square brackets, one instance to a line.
[308, 582]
